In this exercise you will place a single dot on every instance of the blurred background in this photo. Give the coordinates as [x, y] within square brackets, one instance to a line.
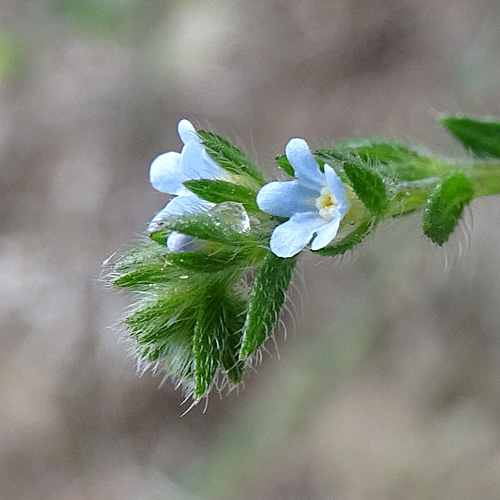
[388, 386]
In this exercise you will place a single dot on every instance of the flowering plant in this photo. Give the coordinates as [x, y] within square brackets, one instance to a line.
[211, 277]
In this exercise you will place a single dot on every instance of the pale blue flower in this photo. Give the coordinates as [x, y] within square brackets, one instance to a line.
[315, 203]
[170, 170]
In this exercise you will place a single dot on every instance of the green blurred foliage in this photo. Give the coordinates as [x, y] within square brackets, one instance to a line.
[103, 17]
[13, 57]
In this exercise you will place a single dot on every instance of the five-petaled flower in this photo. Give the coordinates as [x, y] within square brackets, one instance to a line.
[170, 170]
[315, 203]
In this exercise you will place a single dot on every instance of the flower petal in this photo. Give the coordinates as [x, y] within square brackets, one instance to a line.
[187, 132]
[179, 242]
[306, 167]
[327, 233]
[197, 164]
[336, 186]
[181, 205]
[285, 199]
[293, 235]
[165, 173]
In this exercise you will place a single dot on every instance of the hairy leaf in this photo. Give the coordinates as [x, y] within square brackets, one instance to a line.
[390, 159]
[146, 276]
[219, 225]
[229, 157]
[205, 356]
[445, 206]
[142, 255]
[162, 326]
[220, 191]
[217, 337]
[208, 262]
[268, 294]
[141, 267]
[369, 187]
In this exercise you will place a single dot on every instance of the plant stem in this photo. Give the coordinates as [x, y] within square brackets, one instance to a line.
[485, 178]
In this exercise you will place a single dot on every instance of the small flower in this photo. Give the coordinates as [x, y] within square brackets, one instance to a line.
[315, 203]
[170, 170]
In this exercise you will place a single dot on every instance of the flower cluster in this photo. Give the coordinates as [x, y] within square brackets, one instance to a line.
[314, 203]
[212, 280]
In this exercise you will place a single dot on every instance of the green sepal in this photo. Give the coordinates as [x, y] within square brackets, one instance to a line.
[285, 165]
[445, 205]
[348, 242]
[267, 296]
[208, 262]
[229, 157]
[482, 137]
[369, 187]
[220, 191]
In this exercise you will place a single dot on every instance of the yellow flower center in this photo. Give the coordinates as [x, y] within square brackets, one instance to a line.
[326, 203]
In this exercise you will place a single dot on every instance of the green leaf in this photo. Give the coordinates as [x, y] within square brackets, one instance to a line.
[208, 262]
[217, 338]
[482, 137]
[141, 267]
[162, 326]
[205, 356]
[153, 316]
[160, 237]
[220, 191]
[445, 206]
[143, 255]
[229, 157]
[350, 241]
[285, 165]
[231, 324]
[369, 187]
[226, 223]
[268, 294]
[390, 159]
[146, 276]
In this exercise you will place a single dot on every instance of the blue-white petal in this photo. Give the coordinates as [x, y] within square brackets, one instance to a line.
[187, 132]
[181, 205]
[289, 238]
[306, 167]
[166, 175]
[179, 242]
[326, 233]
[197, 164]
[336, 186]
[285, 199]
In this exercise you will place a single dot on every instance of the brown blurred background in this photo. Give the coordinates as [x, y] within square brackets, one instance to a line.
[388, 385]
